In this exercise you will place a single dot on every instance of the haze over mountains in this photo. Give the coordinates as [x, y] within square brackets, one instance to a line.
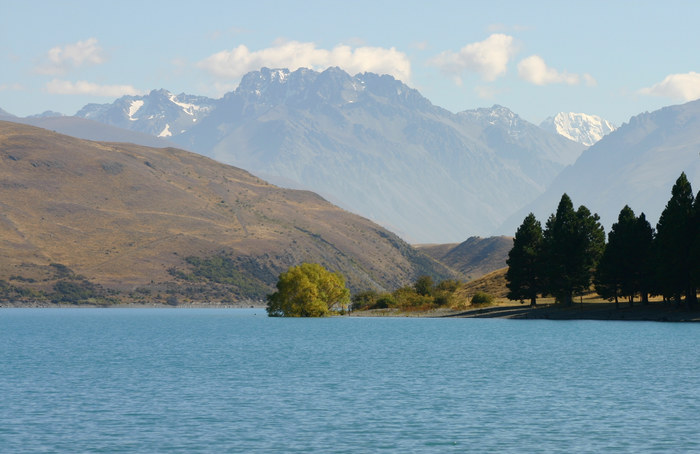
[373, 145]
[635, 165]
[367, 142]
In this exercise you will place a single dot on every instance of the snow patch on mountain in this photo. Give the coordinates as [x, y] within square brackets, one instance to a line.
[496, 116]
[188, 108]
[579, 127]
[159, 113]
[134, 107]
[166, 131]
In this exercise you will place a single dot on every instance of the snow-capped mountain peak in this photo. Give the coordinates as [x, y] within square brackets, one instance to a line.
[495, 115]
[159, 113]
[579, 127]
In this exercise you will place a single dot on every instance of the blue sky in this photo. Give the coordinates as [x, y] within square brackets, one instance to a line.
[610, 58]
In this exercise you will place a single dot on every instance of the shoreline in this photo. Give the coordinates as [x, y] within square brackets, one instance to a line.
[655, 311]
[45, 305]
[652, 312]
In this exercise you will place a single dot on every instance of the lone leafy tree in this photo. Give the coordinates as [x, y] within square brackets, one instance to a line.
[307, 290]
[524, 275]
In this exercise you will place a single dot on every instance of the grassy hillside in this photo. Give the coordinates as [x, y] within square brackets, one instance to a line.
[157, 222]
[493, 284]
[473, 258]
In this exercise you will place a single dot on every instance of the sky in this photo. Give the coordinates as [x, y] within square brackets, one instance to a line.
[614, 59]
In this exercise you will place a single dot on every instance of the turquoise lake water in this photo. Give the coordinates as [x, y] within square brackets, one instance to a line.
[215, 381]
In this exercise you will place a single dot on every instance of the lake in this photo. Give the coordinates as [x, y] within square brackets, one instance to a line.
[233, 380]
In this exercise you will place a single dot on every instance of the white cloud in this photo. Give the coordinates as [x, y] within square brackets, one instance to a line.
[533, 69]
[61, 59]
[64, 87]
[488, 58]
[681, 87]
[11, 87]
[590, 80]
[234, 63]
[485, 92]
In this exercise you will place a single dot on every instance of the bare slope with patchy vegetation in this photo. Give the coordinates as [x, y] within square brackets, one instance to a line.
[472, 258]
[166, 221]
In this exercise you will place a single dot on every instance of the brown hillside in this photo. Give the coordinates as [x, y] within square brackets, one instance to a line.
[127, 216]
[493, 283]
[473, 258]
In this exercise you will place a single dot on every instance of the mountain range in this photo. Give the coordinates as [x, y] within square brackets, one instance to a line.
[131, 217]
[377, 147]
[635, 165]
[367, 143]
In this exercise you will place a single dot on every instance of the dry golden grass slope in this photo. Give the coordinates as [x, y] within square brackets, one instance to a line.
[472, 258]
[122, 215]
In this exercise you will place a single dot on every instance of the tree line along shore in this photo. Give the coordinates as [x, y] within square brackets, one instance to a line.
[567, 259]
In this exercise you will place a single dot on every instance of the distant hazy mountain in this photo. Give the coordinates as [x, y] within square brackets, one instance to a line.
[474, 257]
[517, 140]
[636, 165]
[47, 114]
[127, 216]
[160, 113]
[579, 127]
[368, 143]
[6, 114]
[92, 130]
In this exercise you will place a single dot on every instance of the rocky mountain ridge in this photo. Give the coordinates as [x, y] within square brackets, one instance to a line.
[635, 165]
[368, 143]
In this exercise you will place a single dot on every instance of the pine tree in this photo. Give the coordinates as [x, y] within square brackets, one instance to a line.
[610, 281]
[557, 240]
[622, 270]
[695, 245]
[673, 244]
[524, 275]
[573, 242]
[640, 256]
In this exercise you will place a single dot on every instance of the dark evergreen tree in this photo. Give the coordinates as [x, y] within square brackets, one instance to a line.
[590, 242]
[573, 242]
[610, 279]
[673, 244]
[640, 257]
[557, 251]
[524, 275]
[695, 245]
[622, 270]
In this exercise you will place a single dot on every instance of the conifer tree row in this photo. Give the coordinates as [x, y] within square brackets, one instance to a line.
[570, 253]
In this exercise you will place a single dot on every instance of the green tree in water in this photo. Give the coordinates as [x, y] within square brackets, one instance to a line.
[308, 290]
